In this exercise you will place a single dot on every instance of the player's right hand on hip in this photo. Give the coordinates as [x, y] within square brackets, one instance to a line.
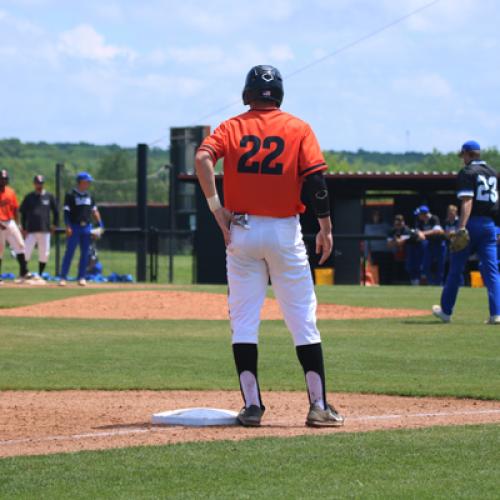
[69, 231]
[324, 245]
[224, 218]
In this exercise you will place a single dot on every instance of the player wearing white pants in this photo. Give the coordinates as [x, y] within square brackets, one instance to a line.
[40, 240]
[36, 210]
[269, 156]
[9, 230]
[11, 234]
[270, 248]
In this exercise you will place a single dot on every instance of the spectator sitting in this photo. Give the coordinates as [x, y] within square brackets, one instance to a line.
[397, 238]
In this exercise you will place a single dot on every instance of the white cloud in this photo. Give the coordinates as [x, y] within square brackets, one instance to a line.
[206, 21]
[166, 84]
[111, 11]
[426, 85]
[20, 25]
[281, 53]
[204, 54]
[84, 42]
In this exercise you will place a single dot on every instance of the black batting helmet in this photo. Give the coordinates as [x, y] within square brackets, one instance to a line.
[4, 175]
[263, 83]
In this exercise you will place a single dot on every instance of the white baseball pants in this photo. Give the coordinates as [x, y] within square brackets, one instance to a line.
[12, 235]
[42, 240]
[270, 248]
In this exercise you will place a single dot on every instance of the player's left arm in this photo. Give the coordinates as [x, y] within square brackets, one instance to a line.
[315, 185]
[15, 209]
[311, 167]
[97, 217]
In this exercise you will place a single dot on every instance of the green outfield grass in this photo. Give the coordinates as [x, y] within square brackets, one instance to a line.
[413, 356]
[452, 462]
[409, 356]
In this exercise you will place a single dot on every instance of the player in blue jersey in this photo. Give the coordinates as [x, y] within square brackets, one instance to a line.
[79, 210]
[478, 192]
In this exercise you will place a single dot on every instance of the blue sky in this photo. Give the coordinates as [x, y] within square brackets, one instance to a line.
[123, 72]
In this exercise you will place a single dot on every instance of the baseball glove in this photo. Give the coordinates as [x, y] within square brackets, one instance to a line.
[459, 240]
[97, 232]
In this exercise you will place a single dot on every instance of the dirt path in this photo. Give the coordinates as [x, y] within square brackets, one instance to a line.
[34, 423]
[180, 305]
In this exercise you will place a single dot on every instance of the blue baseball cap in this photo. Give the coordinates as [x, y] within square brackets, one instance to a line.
[469, 146]
[422, 209]
[84, 176]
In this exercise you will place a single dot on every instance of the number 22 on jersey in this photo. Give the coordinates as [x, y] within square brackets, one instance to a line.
[274, 144]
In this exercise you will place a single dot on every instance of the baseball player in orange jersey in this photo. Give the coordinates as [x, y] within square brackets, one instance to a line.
[9, 229]
[268, 156]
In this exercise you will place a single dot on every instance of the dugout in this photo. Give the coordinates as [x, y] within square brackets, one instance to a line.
[351, 194]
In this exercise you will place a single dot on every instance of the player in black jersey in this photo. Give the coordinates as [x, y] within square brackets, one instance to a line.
[79, 210]
[36, 209]
[478, 192]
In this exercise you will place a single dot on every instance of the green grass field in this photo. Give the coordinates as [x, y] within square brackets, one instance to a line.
[449, 462]
[414, 356]
[112, 262]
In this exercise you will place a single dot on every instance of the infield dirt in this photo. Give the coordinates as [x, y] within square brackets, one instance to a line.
[179, 305]
[40, 422]
[35, 423]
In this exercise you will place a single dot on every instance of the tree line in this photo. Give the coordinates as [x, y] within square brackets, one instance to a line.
[114, 167]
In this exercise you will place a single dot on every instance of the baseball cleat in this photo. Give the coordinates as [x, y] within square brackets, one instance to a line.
[82, 282]
[25, 278]
[438, 312]
[318, 417]
[251, 416]
[62, 283]
[493, 320]
[37, 280]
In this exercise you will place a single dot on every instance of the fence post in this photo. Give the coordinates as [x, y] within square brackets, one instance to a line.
[142, 210]
[172, 222]
[57, 236]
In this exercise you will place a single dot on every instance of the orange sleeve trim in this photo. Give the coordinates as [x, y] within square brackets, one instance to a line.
[314, 168]
[210, 150]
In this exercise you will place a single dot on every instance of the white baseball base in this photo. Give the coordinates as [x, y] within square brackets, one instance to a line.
[195, 417]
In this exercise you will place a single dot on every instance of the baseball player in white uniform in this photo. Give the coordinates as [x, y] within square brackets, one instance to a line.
[268, 156]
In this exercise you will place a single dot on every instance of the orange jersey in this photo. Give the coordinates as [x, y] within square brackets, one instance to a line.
[267, 154]
[8, 204]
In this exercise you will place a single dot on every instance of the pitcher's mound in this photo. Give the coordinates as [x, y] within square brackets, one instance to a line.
[180, 305]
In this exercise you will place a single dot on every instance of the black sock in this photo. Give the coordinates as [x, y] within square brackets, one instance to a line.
[23, 268]
[245, 357]
[311, 359]
[41, 267]
[0, 266]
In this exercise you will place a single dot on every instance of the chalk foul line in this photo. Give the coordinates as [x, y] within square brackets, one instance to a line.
[126, 432]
